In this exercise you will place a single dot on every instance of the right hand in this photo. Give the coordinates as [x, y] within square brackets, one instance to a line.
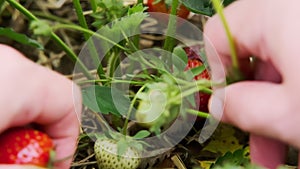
[267, 107]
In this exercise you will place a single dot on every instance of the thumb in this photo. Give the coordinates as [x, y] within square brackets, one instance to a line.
[7, 166]
[252, 106]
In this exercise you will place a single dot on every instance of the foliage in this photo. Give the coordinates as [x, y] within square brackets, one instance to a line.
[204, 7]
[159, 91]
[21, 38]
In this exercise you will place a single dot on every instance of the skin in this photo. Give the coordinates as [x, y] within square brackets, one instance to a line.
[268, 106]
[32, 94]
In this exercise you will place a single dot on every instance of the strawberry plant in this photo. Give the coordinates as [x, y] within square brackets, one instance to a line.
[26, 146]
[138, 97]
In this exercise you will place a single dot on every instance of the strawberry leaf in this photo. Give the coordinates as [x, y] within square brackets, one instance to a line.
[105, 100]
[121, 29]
[21, 38]
[236, 158]
[181, 61]
[198, 70]
[203, 7]
[141, 134]
[137, 8]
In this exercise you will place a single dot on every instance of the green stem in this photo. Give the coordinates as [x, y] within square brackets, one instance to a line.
[234, 73]
[49, 16]
[189, 92]
[23, 10]
[219, 9]
[111, 81]
[90, 44]
[199, 113]
[81, 18]
[130, 109]
[169, 43]
[54, 37]
[93, 5]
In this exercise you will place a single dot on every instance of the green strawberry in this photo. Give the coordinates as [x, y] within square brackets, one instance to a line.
[109, 157]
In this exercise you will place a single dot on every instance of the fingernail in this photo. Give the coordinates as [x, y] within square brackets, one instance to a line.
[216, 103]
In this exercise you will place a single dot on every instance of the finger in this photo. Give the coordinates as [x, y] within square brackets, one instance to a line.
[267, 152]
[258, 34]
[19, 167]
[34, 94]
[254, 106]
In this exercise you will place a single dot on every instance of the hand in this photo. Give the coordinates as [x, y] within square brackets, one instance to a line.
[32, 94]
[267, 106]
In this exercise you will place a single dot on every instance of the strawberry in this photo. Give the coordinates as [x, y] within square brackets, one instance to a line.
[194, 61]
[163, 7]
[25, 146]
[107, 155]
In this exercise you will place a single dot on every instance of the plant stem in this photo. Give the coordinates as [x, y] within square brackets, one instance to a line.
[112, 81]
[49, 16]
[90, 43]
[219, 9]
[23, 10]
[234, 73]
[94, 5]
[54, 37]
[130, 110]
[169, 43]
[199, 113]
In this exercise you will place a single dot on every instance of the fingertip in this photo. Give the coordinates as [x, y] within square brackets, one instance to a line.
[216, 104]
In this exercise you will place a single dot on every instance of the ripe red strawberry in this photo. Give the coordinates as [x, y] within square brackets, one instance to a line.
[25, 146]
[194, 61]
[163, 7]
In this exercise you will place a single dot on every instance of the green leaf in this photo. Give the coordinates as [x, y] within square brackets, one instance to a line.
[198, 70]
[121, 29]
[105, 100]
[236, 158]
[107, 11]
[178, 51]
[135, 9]
[141, 134]
[203, 7]
[223, 140]
[21, 38]
[180, 59]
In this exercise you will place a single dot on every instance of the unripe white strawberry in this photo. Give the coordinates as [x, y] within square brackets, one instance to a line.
[106, 151]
